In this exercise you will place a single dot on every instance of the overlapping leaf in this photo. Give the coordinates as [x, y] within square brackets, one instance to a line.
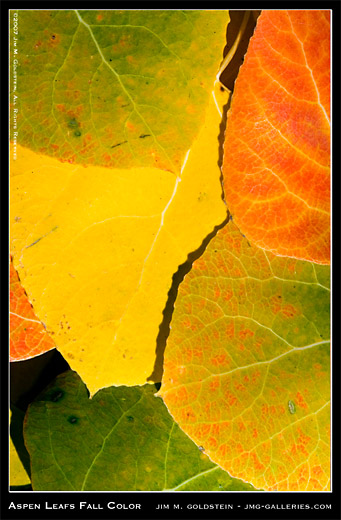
[96, 247]
[277, 147]
[121, 439]
[247, 364]
[116, 88]
[28, 337]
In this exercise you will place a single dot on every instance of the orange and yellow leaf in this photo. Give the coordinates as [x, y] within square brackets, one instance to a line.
[247, 364]
[28, 336]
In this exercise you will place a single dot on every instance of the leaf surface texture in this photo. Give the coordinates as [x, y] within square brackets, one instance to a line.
[116, 88]
[247, 364]
[96, 246]
[121, 439]
[28, 336]
[277, 141]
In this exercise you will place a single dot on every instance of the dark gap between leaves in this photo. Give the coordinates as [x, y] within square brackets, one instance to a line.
[30, 377]
[178, 277]
[228, 78]
[27, 380]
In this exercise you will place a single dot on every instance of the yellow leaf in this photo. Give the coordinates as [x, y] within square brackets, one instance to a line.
[96, 248]
[17, 473]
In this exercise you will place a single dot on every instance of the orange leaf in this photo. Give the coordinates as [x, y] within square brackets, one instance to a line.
[246, 368]
[28, 337]
[277, 146]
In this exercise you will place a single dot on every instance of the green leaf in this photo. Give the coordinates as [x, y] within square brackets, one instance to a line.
[116, 88]
[121, 439]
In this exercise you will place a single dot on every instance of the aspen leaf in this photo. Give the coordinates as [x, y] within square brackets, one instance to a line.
[116, 88]
[247, 364]
[96, 248]
[115, 175]
[121, 439]
[277, 140]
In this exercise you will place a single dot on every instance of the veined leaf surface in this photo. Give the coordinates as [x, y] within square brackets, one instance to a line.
[121, 439]
[116, 88]
[277, 141]
[247, 364]
[96, 247]
[28, 337]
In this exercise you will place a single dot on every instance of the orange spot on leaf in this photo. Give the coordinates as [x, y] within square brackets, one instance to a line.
[214, 385]
[220, 359]
[191, 109]
[300, 401]
[228, 295]
[246, 333]
[229, 331]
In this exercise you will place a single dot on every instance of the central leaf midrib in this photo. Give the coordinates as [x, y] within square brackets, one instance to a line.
[118, 77]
